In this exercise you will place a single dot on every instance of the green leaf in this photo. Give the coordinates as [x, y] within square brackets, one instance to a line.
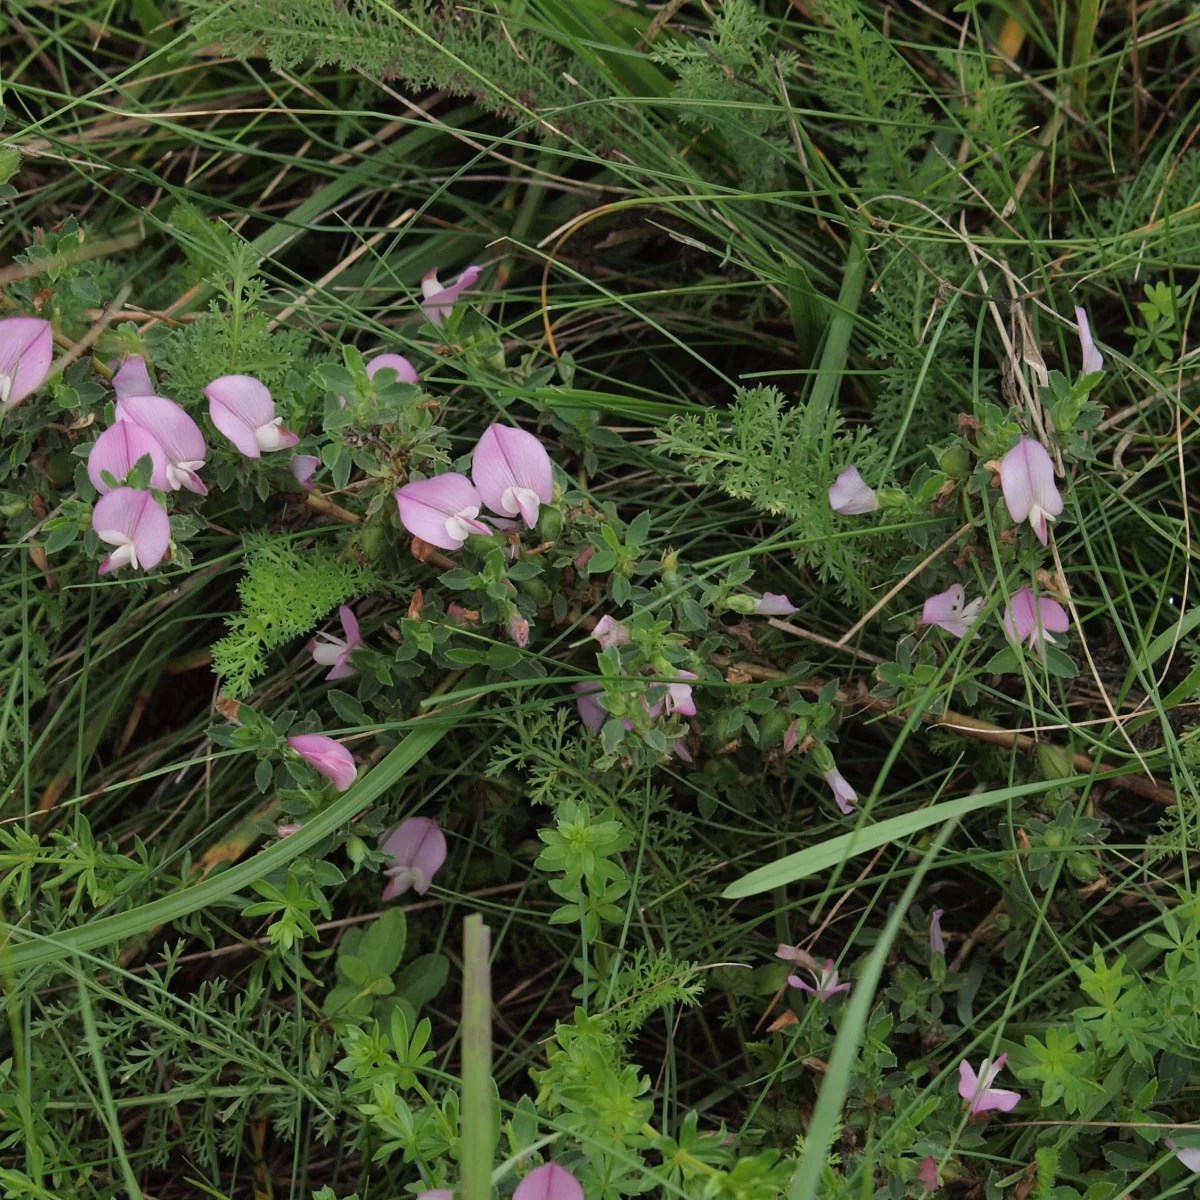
[807, 311]
[824, 855]
[423, 979]
[382, 946]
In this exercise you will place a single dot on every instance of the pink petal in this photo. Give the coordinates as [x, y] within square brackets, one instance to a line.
[175, 432]
[133, 379]
[968, 1081]
[1188, 1156]
[679, 697]
[998, 1099]
[398, 363]
[948, 611]
[1020, 617]
[791, 737]
[1027, 479]
[589, 708]
[937, 944]
[117, 451]
[843, 793]
[239, 405]
[508, 463]
[1054, 617]
[850, 495]
[518, 630]
[304, 467]
[927, 1172]
[550, 1182]
[327, 757]
[796, 982]
[26, 351]
[1093, 360]
[439, 300]
[349, 626]
[417, 850]
[436, 1194]
[441, 510]
[609, 632]
[126, 515]
[772, 604]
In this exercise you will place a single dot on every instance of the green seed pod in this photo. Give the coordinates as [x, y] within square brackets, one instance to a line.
[772, 727]
[356, 849]
[372, 541]
[1054, 838]
[550, 522]
[955, 462]
[538, 590]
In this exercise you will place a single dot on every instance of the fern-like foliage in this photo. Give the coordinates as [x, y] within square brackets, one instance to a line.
[727, 81]
[284, 593]
[778, 455]
[435, 44]
[648, 983]
[869, 88]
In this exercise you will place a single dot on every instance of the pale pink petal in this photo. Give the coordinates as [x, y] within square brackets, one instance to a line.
[441, 511]
[797, 982]
[26, 352]
[1020, 617]
[927, 1172]
[349, 625]
[289, 829]
[843, 793]
[512, 471]
[133, 379]
[1054, 617]
[772, 604]
[1190, 1157]
[591, 713]
[437, 1194]
[976, 1089]
[518, 630]
[439, 300]
[304, 467]
[679, 697]
[175, 432]
[850, 495]
[550, 1182]
[327, 757]
[1027, 479]
[136, 524]
[609, 632]
[117, 451]
[791, 737]
[937, 944]
[948, 611]
[398, 363]
[326, 650]
[416, 849]
[242, 409]
[1093, 360]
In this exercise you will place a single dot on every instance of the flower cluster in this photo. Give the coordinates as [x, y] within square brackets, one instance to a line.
[510, 474]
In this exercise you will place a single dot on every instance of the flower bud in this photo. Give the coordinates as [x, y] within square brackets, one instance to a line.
[740, 604]
[772, 727]
[1055, 763]
[356, 850]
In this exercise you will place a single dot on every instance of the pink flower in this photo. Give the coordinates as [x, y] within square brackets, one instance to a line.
[512, 471]
[977, 1090]
[440, 300]
[136, 524]
[850, 495]
[179, 436]
[330, 651]
[437, 1194]
[772, 604]
[1093, 360]
[304, 467]
[132, 379]
[1033, 621]
[289, 829]
[827, 982]
[791, 736]
[591, 712]
[937, 944]
[441, 511]
[26, 351]
[417, 849]
[518, 630]
[242, 409]
[610, 633]
[927, 1172]
[550, 1182]
[117, 451]
[948, 611]
[679, 697]
[1027, 478]
[327, 757]
[843, 793]
[398, 363]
